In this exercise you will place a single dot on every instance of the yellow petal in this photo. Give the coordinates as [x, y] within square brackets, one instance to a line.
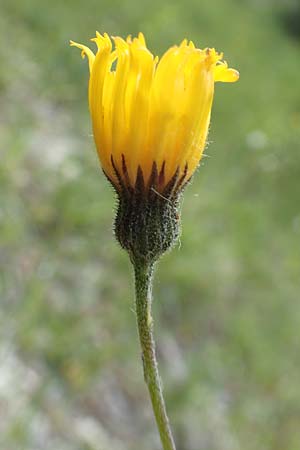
[223, 73]
[85, 51]
[96, 92]
[119, 134]
[137, 102]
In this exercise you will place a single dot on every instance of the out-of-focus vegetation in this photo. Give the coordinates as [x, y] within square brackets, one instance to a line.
[227, 302]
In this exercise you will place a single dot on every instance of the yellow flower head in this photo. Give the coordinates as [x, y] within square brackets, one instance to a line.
[151, 117]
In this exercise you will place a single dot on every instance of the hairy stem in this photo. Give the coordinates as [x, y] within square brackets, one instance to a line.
[143, 290]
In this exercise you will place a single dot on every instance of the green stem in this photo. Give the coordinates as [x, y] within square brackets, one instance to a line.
[143, 291]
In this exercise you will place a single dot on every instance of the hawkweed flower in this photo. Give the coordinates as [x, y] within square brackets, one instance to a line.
[150, 121]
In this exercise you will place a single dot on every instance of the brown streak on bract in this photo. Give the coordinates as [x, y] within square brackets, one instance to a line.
[161, 176]
[119, 178]
[125, 172]
[139, 183]
[184, 185]
[181, 179]
[169, 189]
[153, 176]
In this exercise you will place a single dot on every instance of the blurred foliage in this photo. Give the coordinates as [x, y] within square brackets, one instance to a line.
[226, 300]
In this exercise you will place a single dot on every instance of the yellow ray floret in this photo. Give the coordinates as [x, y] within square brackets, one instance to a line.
[148, 112]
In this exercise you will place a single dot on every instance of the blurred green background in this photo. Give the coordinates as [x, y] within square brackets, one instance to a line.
[227, 310]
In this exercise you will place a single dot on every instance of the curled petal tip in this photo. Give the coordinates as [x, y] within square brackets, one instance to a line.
[85, 51]
[225, 74]
[231, 76]
[235, 74]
